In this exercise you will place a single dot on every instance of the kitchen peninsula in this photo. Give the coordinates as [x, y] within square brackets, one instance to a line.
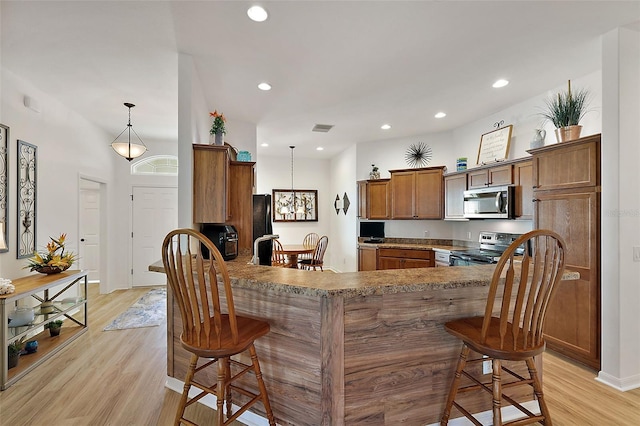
[352, 348]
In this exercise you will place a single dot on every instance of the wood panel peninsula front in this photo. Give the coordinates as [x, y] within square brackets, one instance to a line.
[357, 348]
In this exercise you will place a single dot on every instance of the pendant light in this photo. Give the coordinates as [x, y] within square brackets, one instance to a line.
[290, 206]
[125, 147]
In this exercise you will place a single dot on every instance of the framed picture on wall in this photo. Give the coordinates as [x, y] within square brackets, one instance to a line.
[297, 205]
[27, 194]
[4, 188]
[494, 146]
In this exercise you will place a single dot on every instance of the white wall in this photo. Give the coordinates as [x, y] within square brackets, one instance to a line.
[341, 253]
[68, 146]
[275, 173]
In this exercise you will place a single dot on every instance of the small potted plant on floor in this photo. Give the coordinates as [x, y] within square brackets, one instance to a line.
[54, 327]
[565, 110]
[15, 348]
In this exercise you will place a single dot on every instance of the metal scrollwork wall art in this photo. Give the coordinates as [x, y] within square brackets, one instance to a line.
[4, 178]
[27, 173]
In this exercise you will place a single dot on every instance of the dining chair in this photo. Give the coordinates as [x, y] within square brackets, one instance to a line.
[310, 241]
[511, 328]
[200, 288]
[317, 260]
[278, 258]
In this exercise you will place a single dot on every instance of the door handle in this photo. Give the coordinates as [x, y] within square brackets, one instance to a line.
[82, 240]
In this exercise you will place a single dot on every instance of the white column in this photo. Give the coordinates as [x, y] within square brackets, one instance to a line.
[620, 275]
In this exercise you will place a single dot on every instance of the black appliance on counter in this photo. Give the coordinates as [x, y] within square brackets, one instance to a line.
[373, 232]
[492, 245]
[224, 237]
[262, 226]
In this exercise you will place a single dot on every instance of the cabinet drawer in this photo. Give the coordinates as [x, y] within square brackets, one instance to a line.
[406, 253]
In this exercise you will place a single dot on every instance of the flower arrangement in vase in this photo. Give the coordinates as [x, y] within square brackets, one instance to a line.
[565, 110]
[217, 127]
[54, 260]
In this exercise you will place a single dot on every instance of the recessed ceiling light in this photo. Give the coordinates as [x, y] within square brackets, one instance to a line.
[500, 83]
[319, 148]
[257, 13]
[440, 115]
[385, 126]
[264, 144]
[264, 86]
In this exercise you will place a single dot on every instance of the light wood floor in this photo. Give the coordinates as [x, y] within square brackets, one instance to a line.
[117, 378]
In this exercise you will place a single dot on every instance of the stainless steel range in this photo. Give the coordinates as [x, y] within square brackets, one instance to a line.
[492, 245]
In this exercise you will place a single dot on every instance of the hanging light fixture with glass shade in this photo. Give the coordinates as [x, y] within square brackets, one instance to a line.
[125, 147]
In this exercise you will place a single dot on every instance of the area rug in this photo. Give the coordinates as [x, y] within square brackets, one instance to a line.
[149, 311]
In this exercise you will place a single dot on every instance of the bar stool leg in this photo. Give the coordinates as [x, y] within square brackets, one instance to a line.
[462, 361]
[497, 391]
[261, 386]
[185, 392]
[221, 388]
[537, 389]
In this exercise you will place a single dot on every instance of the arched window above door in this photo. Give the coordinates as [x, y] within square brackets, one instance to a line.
[166, 165]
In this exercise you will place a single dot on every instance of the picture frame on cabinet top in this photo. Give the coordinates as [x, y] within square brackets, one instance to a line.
[494, 145]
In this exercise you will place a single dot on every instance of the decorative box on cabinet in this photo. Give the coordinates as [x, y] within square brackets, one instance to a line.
[405, 258]
[417, 193]
[68, 292]
[566, 180]
[373, 199]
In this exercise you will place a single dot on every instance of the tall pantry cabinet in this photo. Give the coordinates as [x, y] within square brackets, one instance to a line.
[566, 192]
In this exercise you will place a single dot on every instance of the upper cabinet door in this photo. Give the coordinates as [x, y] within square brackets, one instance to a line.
[402, 195]
[210, 184]
[429, 194]
[567, 165]
[378, 200]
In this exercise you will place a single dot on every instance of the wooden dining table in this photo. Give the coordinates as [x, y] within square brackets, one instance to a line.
[292, 251]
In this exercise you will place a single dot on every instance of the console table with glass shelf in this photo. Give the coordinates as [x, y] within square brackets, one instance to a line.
[67, 292]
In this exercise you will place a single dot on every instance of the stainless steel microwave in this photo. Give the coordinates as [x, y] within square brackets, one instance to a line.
[494, 202]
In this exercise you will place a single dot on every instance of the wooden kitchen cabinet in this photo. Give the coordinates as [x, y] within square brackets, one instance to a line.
[490, 176]
[367, 258]
[374, 199]
[454, 187]
[241, 189]
[210, 183]
[405, 258]
[417, 193]
[567, 201]
[223, 190]
[523, 181]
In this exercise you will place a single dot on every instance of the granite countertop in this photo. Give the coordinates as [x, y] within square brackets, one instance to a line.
[420, 244]
[353, 284]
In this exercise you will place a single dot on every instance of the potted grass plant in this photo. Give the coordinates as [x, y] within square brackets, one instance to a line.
[13, 353]
[54, 327]
[565, 110]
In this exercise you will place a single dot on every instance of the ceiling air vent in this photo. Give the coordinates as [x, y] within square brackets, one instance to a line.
[324, 128]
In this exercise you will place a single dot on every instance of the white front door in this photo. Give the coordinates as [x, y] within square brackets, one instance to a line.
[89, 250]
[155, 213]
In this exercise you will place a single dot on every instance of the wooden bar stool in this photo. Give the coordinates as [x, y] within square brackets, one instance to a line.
[514, 331]
[197, 286]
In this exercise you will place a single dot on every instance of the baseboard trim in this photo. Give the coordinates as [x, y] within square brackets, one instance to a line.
[248, 418]
[621, 384]
[486, 417]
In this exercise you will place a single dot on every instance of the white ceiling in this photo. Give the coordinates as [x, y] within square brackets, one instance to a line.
[353, 64]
